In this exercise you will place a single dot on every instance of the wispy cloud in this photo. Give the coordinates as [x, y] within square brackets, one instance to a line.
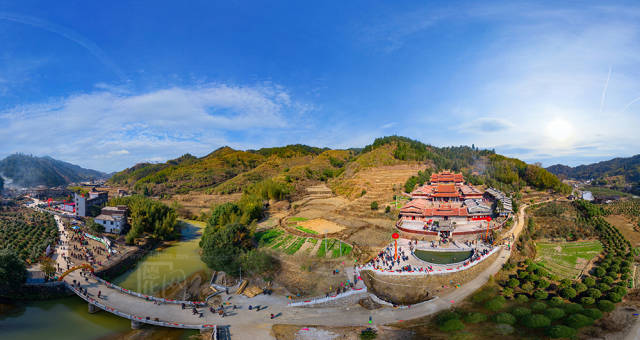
[111, 129]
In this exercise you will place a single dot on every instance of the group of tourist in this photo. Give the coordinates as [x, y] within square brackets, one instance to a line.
[387, 260]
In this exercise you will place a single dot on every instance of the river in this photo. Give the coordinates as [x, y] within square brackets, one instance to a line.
[68, 318]
[167, 265]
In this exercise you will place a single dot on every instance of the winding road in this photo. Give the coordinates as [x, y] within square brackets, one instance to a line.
[252, 324]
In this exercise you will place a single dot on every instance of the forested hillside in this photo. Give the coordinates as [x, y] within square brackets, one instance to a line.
[618, 173]
[478, 166]
[31, 171]
[295, 167]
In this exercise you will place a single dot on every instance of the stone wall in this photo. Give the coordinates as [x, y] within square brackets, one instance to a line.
[406, 290]
[127, 262]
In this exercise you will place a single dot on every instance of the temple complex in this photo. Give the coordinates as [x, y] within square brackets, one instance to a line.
[447, 204]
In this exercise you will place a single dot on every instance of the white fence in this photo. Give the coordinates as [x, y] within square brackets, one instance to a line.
[329, 298]
[425, 271]
[149, 297]
[139, 318]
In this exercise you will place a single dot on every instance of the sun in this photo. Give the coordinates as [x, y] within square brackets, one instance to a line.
[559, 130]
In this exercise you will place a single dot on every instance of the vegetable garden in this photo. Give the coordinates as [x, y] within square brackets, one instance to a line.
[290, 244]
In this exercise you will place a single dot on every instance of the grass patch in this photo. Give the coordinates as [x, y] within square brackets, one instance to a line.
[267, 237]
[312, 240]
[336, 250]
[322, 251]
[305, 230]
[298, 219]
[295, 246]
[284, 241]
[567, 259]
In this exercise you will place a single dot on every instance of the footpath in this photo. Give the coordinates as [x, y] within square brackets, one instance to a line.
[256, 323]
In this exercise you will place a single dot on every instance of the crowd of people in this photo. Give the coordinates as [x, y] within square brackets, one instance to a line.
[81, 249]
[388, 261]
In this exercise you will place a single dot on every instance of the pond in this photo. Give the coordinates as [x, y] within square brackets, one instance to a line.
[443, 257]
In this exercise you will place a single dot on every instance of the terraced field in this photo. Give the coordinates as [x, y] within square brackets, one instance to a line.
[567, 259]
[291, 244]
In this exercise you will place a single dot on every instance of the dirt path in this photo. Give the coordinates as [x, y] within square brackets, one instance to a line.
[247, 324]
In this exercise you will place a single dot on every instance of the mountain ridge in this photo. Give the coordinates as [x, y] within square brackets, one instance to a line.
[29, 171]
[226, 170]
[620, 173]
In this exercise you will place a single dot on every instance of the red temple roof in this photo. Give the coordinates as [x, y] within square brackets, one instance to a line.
[446, 176]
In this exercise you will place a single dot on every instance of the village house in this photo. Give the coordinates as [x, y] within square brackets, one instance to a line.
[113, 218]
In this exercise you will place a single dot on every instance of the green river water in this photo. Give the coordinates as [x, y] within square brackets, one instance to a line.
[68, 318]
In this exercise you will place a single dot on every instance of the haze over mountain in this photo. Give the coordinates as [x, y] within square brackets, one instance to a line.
[22, 170]
[622, 173]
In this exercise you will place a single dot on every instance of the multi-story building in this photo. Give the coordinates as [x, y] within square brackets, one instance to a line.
[85, 206]
[113, 218]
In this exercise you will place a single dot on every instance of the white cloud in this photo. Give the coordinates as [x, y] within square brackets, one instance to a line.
[113, 129]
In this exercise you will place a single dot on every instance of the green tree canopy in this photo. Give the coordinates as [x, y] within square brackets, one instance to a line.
[13, 271]
[222, 249]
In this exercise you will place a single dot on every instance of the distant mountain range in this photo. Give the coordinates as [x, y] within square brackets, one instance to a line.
[22, 170]
[227, 170]
[618, 173]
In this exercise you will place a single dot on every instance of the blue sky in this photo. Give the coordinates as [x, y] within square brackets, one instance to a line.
[109, 86]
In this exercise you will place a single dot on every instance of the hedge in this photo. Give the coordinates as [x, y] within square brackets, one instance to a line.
[592, 313]
[475, 317]
[540, 295]
[572, 308]
[519, 312]
[554, 313]
[578, 321]
[452, 325]
[537, 321]
[606, 306]
[521, 298]
[538, 306]
[495, 304]
[505, 318]
[560, 331]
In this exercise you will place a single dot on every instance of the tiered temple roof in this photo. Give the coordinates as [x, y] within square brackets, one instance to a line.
[445, 196]
[447, 177]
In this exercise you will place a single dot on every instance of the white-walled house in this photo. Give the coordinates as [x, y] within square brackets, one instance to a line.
[113, 219]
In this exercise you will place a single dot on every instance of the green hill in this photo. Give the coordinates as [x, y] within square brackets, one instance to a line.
[30, 171]
[297, 166]
[478, 166]
[621, 174]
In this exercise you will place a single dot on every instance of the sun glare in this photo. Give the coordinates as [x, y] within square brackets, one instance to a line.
[559, 130]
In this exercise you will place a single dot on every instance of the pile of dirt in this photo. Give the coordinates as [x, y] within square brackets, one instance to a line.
[193, 288]
[369, 304]
[322, 226]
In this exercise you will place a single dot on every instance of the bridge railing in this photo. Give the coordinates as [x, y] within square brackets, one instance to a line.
[139, 318]
[150, 297]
